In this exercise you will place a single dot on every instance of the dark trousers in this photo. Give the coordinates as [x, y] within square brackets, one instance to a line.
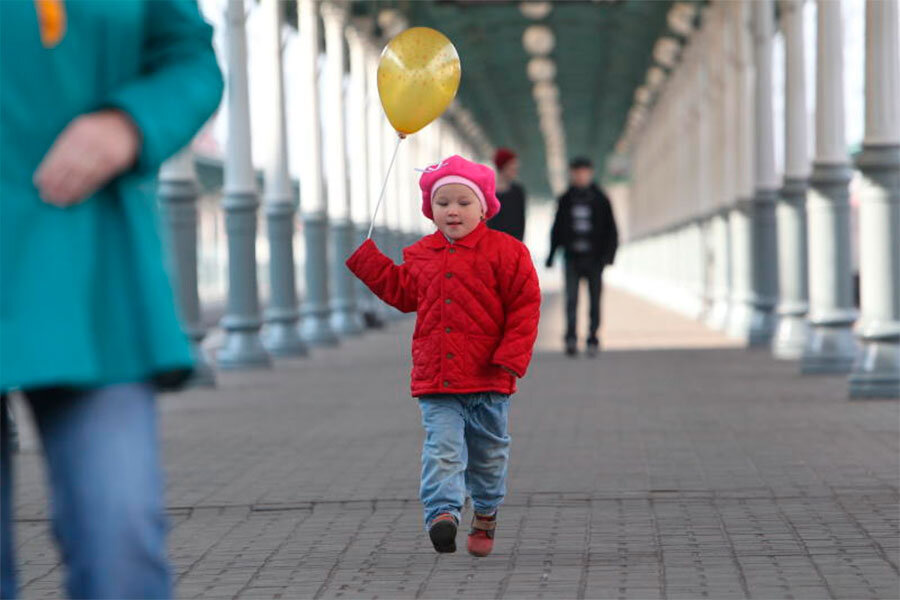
[578, 268]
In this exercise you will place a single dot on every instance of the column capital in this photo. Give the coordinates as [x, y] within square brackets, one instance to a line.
[361, 27]
[334, 13]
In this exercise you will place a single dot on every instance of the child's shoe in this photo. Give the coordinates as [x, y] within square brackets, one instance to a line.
[442, 532]
[481, 537]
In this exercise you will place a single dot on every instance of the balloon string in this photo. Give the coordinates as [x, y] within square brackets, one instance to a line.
[384, 185]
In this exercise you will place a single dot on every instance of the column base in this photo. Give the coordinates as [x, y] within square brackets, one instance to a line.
[345, 318]
[315, 325]
[750, 324]
[876, 373]
[719, 315]
[829, 349]
[316, 330]
[790, 337]
[283, 339]
[203, 375]
[347, 322]
[394, 250]
[242, 350]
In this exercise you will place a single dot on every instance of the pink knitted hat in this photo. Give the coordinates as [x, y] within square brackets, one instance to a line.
[456, 169]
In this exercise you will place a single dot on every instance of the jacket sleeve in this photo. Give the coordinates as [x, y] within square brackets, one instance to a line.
[180, 84]
[392, 283]
[556, 230]
[521, 295]
[611, 235]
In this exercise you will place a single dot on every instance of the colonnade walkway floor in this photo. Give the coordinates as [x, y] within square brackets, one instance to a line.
[674, 465]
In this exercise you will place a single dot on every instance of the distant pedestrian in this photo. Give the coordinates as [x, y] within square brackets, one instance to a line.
[585, 228]
[478, 302]
[511, 194]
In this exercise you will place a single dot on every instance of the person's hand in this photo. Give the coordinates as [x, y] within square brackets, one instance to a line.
[89, 152]
[549, 262]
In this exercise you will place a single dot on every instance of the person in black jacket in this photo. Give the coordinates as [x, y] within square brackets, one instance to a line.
[511, 218]
[586, 229]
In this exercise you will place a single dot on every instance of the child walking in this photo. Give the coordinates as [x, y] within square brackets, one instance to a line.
[477, 300]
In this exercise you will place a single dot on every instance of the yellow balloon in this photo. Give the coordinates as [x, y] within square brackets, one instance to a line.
[418, 76]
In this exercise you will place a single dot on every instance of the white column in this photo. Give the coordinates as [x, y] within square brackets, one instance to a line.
[178, 194]
[766, 184]
[745, 320]
[360, 155]
[877, 371]
[345, 318]
[791, 332]
[830, 347]
[282, 335]
[316, 327]
[721, 149]
[242, 321]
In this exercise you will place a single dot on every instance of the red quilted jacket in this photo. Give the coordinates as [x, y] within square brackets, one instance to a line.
[478, 303]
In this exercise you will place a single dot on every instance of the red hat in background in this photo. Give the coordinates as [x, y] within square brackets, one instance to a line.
[503, 156]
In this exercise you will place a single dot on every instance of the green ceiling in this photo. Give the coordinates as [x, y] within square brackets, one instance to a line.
[602, 53]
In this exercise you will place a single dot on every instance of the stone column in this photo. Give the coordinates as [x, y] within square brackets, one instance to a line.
[375, 119]
[242, 347]
[345, 318]
[748, 322]
[178, 193]
[359, 146]
[719, 318]
[390, 242]
[830, 346]
[281, 336]
[316, 313]
[765, 241]
[791, 332]
[877, 371]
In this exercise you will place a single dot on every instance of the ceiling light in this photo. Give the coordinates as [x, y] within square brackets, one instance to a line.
[535, 10]
[538, 40]
[681, 18]
[541, 68]
[545, 90]
[666, 51]
[655, 77]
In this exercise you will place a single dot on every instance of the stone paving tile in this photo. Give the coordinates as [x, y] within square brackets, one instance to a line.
[701, 472]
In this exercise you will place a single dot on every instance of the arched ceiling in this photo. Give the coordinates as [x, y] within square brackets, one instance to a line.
[602, 52]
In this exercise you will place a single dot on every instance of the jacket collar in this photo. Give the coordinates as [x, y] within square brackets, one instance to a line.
[437, 241]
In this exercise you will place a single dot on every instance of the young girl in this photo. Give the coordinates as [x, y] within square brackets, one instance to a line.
[478, 302]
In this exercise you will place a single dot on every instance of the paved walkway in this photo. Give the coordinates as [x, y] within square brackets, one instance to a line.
[673, 466]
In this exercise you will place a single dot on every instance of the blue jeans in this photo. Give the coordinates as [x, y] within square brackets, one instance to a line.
[466, 450]
[106, 491]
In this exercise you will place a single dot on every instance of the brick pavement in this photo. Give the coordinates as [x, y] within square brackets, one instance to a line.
[673, 466]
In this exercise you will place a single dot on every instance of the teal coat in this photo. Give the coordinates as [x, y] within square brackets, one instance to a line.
[85, 298]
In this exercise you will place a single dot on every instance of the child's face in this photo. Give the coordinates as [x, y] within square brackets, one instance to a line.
[457, 210]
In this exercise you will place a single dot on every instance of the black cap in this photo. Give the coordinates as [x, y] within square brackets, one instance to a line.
[581, 162]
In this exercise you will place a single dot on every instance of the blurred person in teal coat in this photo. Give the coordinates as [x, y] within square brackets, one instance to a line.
[93, 97]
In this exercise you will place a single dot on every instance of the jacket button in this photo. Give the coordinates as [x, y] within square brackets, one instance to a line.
[447, 301]
[448, 275]
[450, 355]
[446, 384]
[452, 250]
[447, 330]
